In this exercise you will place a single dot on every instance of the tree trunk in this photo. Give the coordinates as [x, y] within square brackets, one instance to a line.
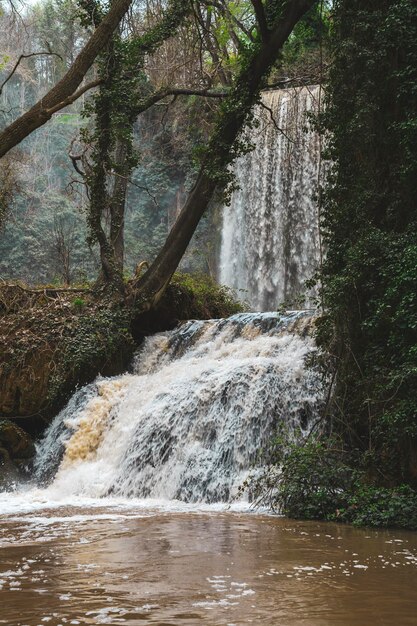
[118, 199]
[43, 110]
[115, 111]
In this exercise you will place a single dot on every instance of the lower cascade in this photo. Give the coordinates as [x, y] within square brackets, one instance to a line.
[190, 421]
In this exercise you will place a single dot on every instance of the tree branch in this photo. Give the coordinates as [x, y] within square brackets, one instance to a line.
[40, 113]
[177, 91]
[223, 8]
[132, 182]
[20, 59]
[74, 159]
[71, 99]
[273, 120]
[261, 18]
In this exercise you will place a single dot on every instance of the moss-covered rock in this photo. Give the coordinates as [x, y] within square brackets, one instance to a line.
[15, 441]
[53, 341]
[188, 296]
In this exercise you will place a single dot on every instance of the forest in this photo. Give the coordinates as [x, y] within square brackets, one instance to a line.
[162, 161]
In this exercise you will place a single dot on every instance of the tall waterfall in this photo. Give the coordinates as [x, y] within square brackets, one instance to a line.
[270, 237]
[189, 422]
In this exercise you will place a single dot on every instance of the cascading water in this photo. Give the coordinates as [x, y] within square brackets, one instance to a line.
[123, 525]
[189, 423]
[270, 236]
[204, 399]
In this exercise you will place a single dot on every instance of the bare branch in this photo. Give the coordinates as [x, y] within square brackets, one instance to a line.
[74, 159]
[141, 187]
[45, 290]
[26, 56]
[223, 8]
[273, 120]
[177, 91]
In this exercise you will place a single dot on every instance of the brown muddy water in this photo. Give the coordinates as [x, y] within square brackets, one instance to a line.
[127, 565]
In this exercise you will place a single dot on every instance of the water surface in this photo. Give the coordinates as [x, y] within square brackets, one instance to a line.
[121, 564]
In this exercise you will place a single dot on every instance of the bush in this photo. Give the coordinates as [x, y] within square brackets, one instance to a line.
[304, 480]
[382, 507]
[317, 479]
[202, 297]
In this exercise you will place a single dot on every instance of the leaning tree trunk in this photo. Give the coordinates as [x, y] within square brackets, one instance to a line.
[234, 114]
[43, 110]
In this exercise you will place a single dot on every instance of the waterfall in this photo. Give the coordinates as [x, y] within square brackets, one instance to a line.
[270, 237]
[190, 421]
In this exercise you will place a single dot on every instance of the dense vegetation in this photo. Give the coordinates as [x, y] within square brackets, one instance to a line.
[370, 228]
[47, 202]
[44, 200]
[362, 468]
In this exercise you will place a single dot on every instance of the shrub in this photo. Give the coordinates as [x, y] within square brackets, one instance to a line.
[204, 296]
[317, 479]
[306, 480]
[382, 507]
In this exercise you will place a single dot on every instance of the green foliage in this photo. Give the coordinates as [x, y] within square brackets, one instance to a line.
[370, 229]
[320, 479]
[68, 118]
[44, 238]
[99, 337]
[4, 59]
[381, 507]
[304, 479]
[306, 51]
[78, 303]
[201, 297]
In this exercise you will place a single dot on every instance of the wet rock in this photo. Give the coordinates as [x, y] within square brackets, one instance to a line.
[16, 452]
[9, 473]
[15, 441]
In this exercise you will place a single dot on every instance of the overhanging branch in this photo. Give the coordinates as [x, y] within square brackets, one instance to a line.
[144, 105]
[71, 99]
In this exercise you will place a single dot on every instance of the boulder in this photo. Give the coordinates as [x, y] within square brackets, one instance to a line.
[16, 452]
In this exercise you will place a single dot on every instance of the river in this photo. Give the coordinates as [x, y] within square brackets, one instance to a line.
[114, 562]
[126, 518]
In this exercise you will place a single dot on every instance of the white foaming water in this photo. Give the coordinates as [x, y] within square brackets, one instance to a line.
[270, 237]
[189, 423]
